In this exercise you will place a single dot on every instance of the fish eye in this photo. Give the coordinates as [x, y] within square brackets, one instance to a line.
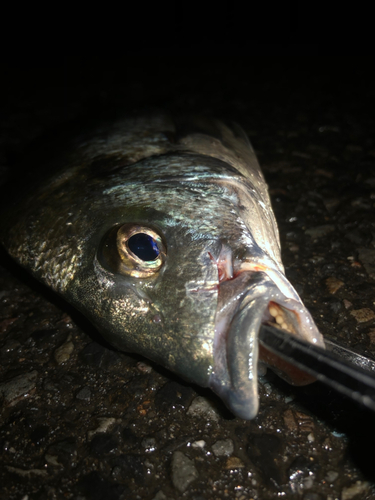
[143, 246]
[132, 250]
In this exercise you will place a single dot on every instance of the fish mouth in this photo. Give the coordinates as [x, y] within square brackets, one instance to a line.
[258, 294]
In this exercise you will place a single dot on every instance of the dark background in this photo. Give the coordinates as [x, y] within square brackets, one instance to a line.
[308, 110]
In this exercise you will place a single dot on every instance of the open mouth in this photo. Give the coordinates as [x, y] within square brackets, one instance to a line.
[281, 317]
[252, 298]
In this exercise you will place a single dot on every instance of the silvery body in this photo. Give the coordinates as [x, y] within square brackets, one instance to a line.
[194, 190]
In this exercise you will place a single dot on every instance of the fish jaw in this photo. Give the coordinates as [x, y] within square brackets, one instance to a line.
[251, 298]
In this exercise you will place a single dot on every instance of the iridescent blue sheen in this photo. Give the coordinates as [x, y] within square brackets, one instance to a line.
[143, 246]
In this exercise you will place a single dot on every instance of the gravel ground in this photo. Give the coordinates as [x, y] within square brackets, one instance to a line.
[80, 420]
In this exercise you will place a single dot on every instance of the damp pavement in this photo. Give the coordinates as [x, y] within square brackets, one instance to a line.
[82, 421]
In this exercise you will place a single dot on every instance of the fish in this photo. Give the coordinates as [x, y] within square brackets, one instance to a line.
[160, 230]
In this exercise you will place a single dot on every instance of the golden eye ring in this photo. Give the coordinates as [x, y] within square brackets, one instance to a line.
[133, 250]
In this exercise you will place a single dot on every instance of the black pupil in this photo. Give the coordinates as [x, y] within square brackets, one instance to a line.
[143, 246]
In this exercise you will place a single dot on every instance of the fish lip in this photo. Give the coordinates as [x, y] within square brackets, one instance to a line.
[238, 391]
[234, 377]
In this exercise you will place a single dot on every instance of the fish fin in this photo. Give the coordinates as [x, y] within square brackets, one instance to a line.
[211, 137]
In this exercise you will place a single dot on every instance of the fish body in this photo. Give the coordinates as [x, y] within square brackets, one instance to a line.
[161, 232]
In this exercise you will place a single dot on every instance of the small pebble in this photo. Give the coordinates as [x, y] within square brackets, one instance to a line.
[63, 353]
[359, 487]
[104, 425]
[84, 394]
[52, 460]
[290, 421]
[363, 315]
[149, 444]
[234, 463]
[223, 448]
[314, 496]
[305, 422]
[310, 437]
[144, 367]
[202, 407]
[159, 496]
[338, 434]
[267, 388]
[332, 475]
[18, 388]
[333, 284]
[320, 231]
[183, 471]
[27, 473]
[199, 444]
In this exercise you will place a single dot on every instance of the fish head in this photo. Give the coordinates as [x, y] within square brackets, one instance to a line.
[175, 273]
[174, 255]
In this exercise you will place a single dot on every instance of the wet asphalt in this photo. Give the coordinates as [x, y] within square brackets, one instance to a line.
[80, 420]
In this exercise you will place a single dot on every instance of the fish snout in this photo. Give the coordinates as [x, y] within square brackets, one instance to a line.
[252, 293]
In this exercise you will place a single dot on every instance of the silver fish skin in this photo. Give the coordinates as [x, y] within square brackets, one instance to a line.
[161, 232]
